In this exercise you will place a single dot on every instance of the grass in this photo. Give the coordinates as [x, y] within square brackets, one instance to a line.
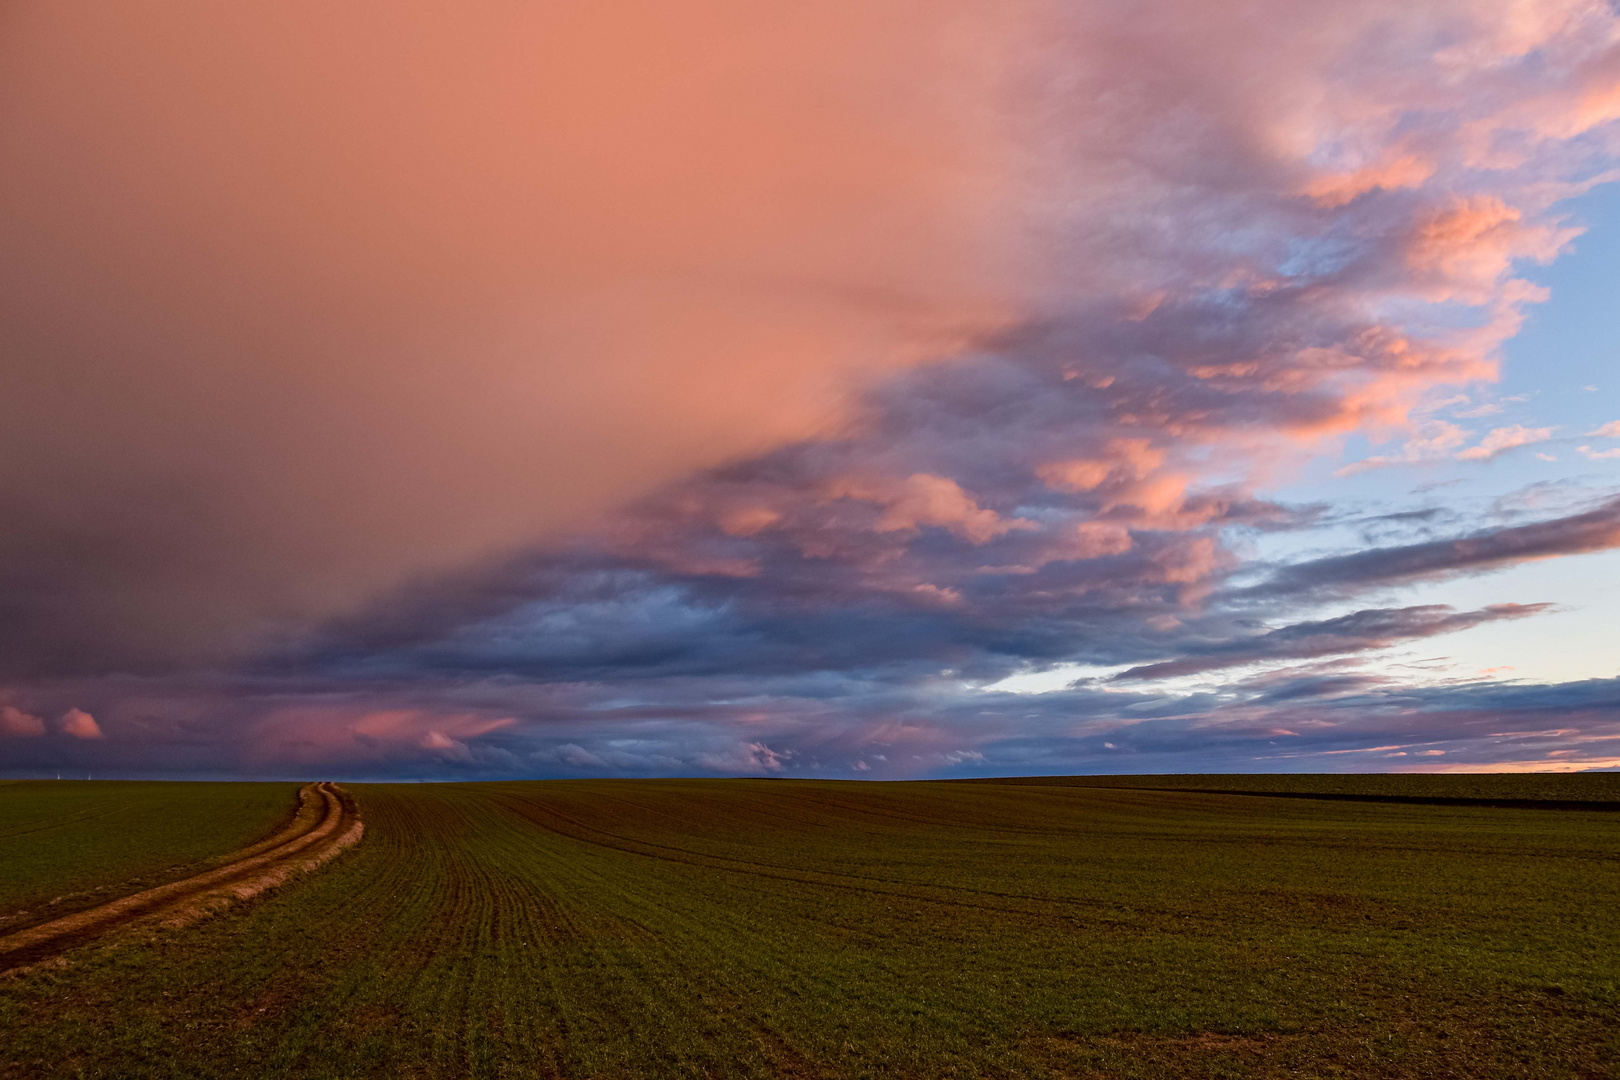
[82, 842]
[807, 928]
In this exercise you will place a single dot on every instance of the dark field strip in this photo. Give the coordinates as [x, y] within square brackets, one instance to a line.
[1526, 791]
[80, 843]
[822, 929]
[1419, 800]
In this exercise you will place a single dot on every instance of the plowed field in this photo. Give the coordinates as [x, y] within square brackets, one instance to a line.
[779, 928]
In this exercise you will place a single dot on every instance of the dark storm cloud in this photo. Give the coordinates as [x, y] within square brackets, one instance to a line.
[1597, 529]
[1376, 628]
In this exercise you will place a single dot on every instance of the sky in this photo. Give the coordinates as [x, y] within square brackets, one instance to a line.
[886, 389]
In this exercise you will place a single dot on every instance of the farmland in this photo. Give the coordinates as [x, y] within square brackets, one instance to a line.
[79, 842]
[819, 928]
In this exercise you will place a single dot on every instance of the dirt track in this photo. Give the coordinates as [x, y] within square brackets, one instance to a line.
[326, 823]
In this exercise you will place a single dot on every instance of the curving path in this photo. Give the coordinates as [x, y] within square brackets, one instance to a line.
[327, 822]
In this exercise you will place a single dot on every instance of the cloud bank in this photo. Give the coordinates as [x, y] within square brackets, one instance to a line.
[762, 412]
[302, 303]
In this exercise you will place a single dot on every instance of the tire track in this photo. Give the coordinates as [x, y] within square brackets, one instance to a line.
[326, 823]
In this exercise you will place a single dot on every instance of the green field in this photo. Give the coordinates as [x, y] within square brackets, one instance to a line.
[80, 842]
[809, 928]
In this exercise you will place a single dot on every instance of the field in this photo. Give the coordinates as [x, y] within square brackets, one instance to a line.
[807, 928]
[1595, 790]
[78, 842]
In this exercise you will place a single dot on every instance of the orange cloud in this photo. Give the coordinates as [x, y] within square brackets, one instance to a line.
[1122, 460]
[1466, 247]
[922, 500]
[747, 520]
[80, 725]
[1335, 189]
[15, 722]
